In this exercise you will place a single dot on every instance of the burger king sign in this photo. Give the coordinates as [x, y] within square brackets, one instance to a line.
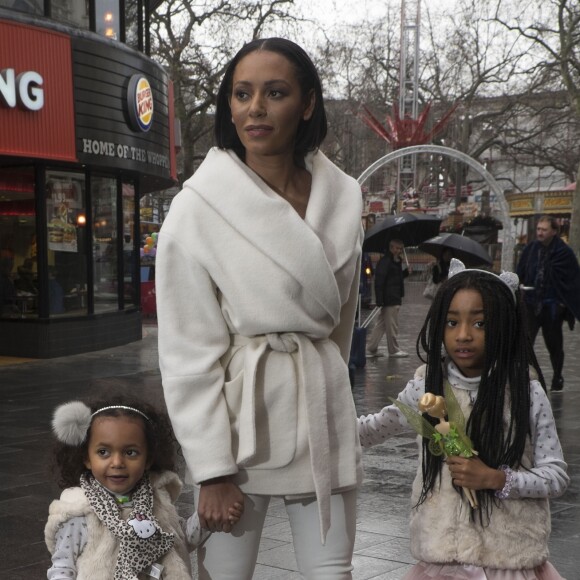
[140, 103]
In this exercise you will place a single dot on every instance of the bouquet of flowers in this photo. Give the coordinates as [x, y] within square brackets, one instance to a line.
[448, 437]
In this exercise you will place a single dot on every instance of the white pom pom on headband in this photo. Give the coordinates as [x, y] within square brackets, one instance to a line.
[510, 279]
[72, 420]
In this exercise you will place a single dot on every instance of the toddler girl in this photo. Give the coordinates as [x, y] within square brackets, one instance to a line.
[116, 516]
[490, 368]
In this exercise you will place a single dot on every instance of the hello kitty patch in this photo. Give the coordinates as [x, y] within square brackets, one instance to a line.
[143, 527]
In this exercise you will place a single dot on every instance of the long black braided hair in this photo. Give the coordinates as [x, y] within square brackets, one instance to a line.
[505, 378]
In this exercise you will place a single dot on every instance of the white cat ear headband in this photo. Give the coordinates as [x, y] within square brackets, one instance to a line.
[71, 421]
[510, 279]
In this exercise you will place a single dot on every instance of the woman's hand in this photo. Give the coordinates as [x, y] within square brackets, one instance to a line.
[473, 473]
[220, 504]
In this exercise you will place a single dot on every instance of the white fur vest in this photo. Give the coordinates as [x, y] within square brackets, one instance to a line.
[442, 531]
[97, 561]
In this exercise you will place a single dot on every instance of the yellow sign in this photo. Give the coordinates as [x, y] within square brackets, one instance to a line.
[522, 204]
[557, 203]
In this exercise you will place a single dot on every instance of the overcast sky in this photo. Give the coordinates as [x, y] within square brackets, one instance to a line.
[349, 11]
[334, 15]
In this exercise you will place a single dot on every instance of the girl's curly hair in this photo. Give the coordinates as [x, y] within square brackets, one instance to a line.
[69, 461]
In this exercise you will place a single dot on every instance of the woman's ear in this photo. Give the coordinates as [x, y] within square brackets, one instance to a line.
[309, 103]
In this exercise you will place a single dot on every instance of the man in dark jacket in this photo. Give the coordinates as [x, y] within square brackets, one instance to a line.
[550, 274]
[389, 292]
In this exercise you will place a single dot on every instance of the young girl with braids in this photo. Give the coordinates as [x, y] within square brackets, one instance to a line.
[116, 517]
[475, 341]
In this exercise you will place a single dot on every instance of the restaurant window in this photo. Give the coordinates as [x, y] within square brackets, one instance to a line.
[131, 278]
[66, 244]
[74, 12]
[29, 6]
[107, 18]
[18, 268]
[105, 263]
[132, 26]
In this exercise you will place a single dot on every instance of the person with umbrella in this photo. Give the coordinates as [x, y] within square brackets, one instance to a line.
[389, 292]
[441, 269]
[446, 246]
[411, 228]
[438, 274]
[461, 247]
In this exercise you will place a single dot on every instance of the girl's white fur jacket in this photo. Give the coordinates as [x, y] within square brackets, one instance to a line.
[97, 560]
[443, 531]
[256, 311]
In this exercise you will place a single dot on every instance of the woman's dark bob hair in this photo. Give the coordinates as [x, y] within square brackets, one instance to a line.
[310, 134]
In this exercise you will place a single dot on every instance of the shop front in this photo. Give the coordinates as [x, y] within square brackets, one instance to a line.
[526, 208]
[86, 130]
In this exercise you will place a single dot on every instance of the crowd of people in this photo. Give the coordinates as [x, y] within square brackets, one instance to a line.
[258, 269]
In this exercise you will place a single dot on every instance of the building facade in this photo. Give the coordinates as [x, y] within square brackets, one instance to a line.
[87, 129]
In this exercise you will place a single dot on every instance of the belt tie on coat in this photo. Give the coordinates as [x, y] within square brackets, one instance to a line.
[309, 364]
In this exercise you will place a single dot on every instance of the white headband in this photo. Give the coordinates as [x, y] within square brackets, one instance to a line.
[121, 407]
[510, 279]
[72, 420]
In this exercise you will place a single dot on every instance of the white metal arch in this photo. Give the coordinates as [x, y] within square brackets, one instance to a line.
[508, 233]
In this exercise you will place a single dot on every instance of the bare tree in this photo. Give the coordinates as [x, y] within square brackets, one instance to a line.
[544, 134]
[551, 31]
[470, 61]
[195, 41]
[358, 66]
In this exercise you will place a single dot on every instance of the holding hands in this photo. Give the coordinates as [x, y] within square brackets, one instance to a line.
[220, 506]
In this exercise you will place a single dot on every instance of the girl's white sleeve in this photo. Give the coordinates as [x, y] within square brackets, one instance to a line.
[194, 533]
[548, 476]
[376, 428]
[70, 541]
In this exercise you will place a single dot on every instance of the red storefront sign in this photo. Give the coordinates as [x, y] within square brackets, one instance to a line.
[376, 207]
[36, 93]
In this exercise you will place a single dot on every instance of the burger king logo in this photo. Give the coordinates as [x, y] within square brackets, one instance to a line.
[140, 103]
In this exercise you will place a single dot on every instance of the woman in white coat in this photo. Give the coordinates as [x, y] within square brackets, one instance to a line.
[257, 282]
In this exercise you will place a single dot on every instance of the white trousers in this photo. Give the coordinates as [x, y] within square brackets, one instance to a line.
[233, 556]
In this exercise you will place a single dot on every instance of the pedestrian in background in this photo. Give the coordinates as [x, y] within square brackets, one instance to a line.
[438, 274]
[495, 395]
[258, 270]
[389, 292]
[441, 267]
[550, 274]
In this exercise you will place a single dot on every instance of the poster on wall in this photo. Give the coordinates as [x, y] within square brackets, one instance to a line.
[62, 205]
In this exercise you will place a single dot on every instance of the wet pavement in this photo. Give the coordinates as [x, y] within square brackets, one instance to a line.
[30, 390]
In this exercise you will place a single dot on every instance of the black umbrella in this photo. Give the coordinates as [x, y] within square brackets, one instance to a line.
[470, 252]
[410, 228]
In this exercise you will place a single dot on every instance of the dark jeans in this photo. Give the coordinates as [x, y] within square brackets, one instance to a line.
[550, 320]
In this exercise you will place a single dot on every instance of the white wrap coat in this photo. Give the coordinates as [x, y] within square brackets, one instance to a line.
[256, 311]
